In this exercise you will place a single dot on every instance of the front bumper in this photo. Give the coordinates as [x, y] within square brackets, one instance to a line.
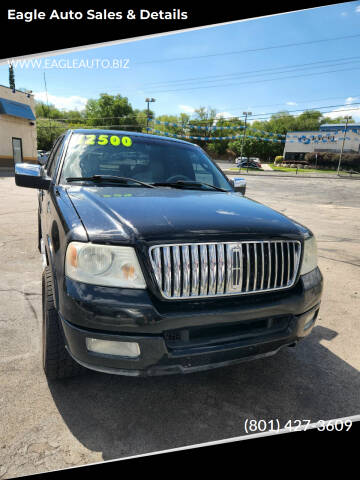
[196, 337]
[157, 358]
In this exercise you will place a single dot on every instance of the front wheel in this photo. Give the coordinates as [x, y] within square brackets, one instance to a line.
[57, 363]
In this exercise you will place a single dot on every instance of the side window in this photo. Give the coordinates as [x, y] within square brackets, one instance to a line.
[53, 157]
[50, 157]
[203, 173]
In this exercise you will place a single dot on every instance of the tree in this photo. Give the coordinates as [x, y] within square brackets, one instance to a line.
[115, 111]
[206, 114]
[74, 116]
[220, 147]
[257, 147]
[11, 77]
[112, 111]
[182, 121]
[336, 120]
[47, 111]
[48, 131]
[309, 120]
[204, 117]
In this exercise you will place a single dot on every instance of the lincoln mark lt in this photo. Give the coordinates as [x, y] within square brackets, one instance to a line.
[156, 263]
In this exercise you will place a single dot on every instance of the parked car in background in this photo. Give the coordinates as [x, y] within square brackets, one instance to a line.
[42, 157]
[248, 163]
[255, 159]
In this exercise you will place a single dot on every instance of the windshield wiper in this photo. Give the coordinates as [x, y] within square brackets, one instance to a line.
[109, 179]
[183, 183]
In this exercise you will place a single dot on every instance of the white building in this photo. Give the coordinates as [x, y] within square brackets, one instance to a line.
[328, 139]
[18, 140]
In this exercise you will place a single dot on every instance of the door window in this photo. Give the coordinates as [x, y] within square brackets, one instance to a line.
[53, 158]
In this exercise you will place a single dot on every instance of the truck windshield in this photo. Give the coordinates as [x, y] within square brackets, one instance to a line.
[153, 161]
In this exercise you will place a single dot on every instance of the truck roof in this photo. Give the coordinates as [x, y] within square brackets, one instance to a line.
[125, 132]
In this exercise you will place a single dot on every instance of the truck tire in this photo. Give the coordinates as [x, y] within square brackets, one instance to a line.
[57, 363]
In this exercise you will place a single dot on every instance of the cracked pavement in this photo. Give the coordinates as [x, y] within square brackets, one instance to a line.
[99, 417]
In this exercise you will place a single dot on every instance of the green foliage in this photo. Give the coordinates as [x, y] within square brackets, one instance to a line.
[300, 170]
[283, 122]
[11, 77]
[206, 114]
[278, 159]
[108, 111]
[205, 117]
[182, 120]
[48, 131]
[220, 147]
[336, 120]
[47, 111]
[349, 161]
[114, 112]
[256, 147]
[74, 116]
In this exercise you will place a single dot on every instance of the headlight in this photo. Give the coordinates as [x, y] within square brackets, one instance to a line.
[103, 265]
[310, 256]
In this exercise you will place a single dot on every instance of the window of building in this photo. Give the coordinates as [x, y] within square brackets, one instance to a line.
[17, 150]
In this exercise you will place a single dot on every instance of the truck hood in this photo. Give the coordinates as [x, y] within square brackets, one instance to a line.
[126, 215]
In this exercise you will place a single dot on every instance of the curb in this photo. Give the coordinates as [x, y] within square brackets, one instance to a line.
[301, 175]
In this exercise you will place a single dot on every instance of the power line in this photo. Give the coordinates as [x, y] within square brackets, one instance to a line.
[236, 52]
[208, 78]
[265, 115]
[295, 102]
[304, 111]
[313, 108]
[329, 111]
[47, 103]
[257, 81]
[205, 120]
[234, 118]
[85, 127]
[93, 118]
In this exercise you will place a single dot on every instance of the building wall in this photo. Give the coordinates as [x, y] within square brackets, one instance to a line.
[11, 126]
[324, 141]
[331, 127]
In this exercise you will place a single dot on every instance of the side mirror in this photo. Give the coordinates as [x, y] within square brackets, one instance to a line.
[239, 184]
[30, 175]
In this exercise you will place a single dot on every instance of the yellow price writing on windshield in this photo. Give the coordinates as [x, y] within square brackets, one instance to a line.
[102, 139]
[126, 141]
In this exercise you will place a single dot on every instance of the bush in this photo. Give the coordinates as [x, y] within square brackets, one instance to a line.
[278, 159]
[331, 160]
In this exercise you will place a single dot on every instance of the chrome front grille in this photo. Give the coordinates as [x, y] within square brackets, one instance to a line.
[217, 269]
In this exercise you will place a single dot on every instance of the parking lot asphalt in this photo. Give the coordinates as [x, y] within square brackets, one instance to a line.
[46, 426]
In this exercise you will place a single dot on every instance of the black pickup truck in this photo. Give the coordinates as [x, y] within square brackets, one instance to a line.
[156, 263]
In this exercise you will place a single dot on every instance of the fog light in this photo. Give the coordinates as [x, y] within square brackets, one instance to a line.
[108, 347]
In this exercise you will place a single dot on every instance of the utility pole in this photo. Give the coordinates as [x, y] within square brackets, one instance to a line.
[343, 143]
[243, 139]
[48, 111]
[148, 101]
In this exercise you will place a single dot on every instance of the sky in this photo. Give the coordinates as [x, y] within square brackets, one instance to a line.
[294, 61]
